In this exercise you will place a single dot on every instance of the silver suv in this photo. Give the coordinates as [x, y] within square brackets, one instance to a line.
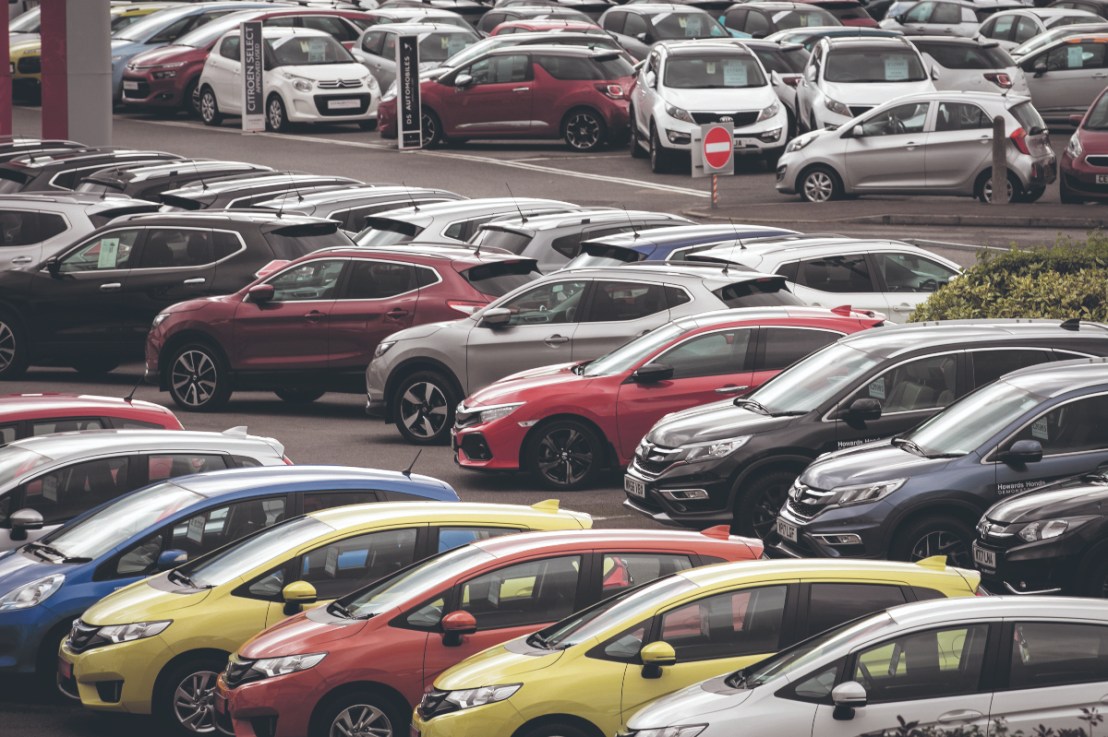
[418, 375]
[450, 222]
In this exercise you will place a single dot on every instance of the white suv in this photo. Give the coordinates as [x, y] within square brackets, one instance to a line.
[685, 84]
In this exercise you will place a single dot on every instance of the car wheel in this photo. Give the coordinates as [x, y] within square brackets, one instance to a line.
[190, 100]
[90, 367]
[1032, 194]
[276, 118]
[299, 396]
[583, 130]
[820, 184]
[424, 407]
[46, 666]
[1067, 195]
[367, 125]
[564, 455]
[198, 378]
[638, 148]
[13, 348]
[660, 159]
[935, 535]
[555, 729]
[184, 700]
[432, 130]
[983, 190]
[209, 108]
[364, 711]
[758, 501]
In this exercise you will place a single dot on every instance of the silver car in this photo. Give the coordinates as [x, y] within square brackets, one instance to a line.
[1010, 28]
[450, 222]
[931, 143]
[1047, 38]
[376, 49]
[418, 375]
[936, 18]
[352, 206]
[968, 65]
[1066, 76]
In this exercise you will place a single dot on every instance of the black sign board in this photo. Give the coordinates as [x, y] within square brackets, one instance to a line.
[253, 88]
[409, 120]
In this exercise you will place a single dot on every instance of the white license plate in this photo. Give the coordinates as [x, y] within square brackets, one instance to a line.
[1102, 178]
[130, 85]
[343, 104]
[634, 487]
[984, 558]
[744, 143]
[786, 530]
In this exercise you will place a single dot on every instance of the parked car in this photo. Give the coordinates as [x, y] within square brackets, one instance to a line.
[591, 672]
[30, 415]
[352, 205]
[452, 606]
[809, 37]
[971, 66]
[1044, 39]
[564, 91]
[546, 25]
[312, 79]
[419, 12]
[1083, 173]
[1050, 648]
[501, 14]
[156, 528]
[568, 422]
[1098, 7]
[785, 65]
[666, 244]
[148, 182]
[64, 171]
[450, 222]
[758, 20]
[937, 18]
[684, 85]
[468, 11]
[418, 376]
[873, 152]
[1066, 76]
[553, 240]
[220, 601]
[376, 49]
[746, 453]
[313, 326]
[244, 192]
[22, 146]
[1011, 28]
[90, 306]
[638, 26]
[850, 13]
[847, 77]
[592, 8]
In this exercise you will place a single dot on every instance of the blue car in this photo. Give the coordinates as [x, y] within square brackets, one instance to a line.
[46, 584]
[667, 244]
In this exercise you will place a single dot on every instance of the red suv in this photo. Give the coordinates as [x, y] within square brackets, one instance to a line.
[27, 415]
[313, 326]
[1083, 173]
[569, 92]
[386, 643]
[564, 424]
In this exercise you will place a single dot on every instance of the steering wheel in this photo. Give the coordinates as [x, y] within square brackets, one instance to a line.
[929, 285]
[897, 125]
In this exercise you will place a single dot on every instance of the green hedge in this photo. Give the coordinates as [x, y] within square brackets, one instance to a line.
[1068, 280]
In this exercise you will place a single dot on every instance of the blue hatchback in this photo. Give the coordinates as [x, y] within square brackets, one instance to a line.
[46, 584]
[667, 244]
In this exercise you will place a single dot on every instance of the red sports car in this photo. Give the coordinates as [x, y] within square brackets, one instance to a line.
[26, 415]
[1083, 172]
[564, 424]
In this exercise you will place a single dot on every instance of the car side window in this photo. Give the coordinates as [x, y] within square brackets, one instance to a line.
[1002, 28]
[1072, 57]
[624, 570]
[379, 279]
[455, 537]
[830, 604]
[988, 28]
[958, 116]
[343, 566]
[920, 13]
[1073, 427]
[1046, 654]
[746, 622]
[614, 21]
[388, 50]
[735, 18]
[312, 281]
[332, 26]
[372, 42]
[555, 302]
[1026, 29]
[317, 500]
[836, 274]
[525, 593]
[908, 272]
[69, 424]
[229, 48]
[165, 466]
[141, 557]
[923, 665]
[617, 301]
[782, 347]
[66, 492]
[925, 383]
[218, 526]
[7, 435]
[757, 25]
[947, 13]
[173, 31]
[176, 248]
[988, 366]
[109, 251]
[897, 121]
[634, 25]
[503, 69]
[24, 228]
[711, 354]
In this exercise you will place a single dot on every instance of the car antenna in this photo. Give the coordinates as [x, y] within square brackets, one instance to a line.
[131, 394]
[408, 191]
[742, 246]
[522, 217]
[408, 471]
[634, 228]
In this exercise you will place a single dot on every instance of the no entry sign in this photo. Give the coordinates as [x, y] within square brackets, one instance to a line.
[719, 148]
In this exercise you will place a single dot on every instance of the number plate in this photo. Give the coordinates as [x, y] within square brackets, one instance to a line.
[1102, 178]
[634, 487]
[65, 668]
[786, 530]
[984, 558]
[130, 85]
[343, 104]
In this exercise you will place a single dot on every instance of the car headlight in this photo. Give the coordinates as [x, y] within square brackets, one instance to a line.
[496, 412]
[300, 84]
[768, 112]
[382, 347]
[371, 82]
[159, 319]
[471, 697]
[688, 730]
[270, 667]
[836, 107]
[1047, 529]
[799, 142]
[31, 594]
[164, 74]
[117, 633]
[862, 493]
[675, 112]
[1074, 148]
[715, 449]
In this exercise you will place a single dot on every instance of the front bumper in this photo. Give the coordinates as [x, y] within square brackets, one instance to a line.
[21, 631]
[322, 107]
[141, 89]
[386, 118]
[118, 678]
[376, 377]
[669, 498]
[756, 139]
[838, 532]
[272, 707]
[1044, 567]
[1080, 177]
[489, 446]
[500, 718]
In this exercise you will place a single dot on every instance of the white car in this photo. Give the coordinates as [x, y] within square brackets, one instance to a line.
[845, 77]
[970, 65]
[947, 666]
[685, 84]
[934, 18]
[1010, 28]
[309, 78]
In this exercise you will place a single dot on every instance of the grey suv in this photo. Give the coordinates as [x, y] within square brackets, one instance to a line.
[418, 375]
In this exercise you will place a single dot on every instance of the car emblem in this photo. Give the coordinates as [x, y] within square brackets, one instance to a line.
[726, 119]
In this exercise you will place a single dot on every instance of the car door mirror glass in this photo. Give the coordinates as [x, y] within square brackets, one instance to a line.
[496, 317]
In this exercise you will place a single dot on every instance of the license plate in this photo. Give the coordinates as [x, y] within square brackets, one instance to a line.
[1102, 178]
[65, 668]
[130, 85]
[984, 558]
[634, 487]
[343, 104]
[786, 530]
[744, 143]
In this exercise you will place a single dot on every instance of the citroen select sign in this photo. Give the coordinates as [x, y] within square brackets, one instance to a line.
[253, 87]
[408, 115]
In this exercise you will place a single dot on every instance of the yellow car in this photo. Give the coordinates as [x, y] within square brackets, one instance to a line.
[587, 674]
[157, 646]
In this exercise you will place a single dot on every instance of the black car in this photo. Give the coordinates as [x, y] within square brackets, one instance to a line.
[91, 305]
[1046, 541]
[734, 461]
[37, 146]
[249, 191]
[147, 182]
[64, 170]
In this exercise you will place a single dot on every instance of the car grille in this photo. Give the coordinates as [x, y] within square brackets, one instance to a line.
[434, 703]
[804, 501]
[464, 417]
[81, 636]
[995, 533]
[739, 120]
[322, 100]
[339, 84]
[653, 460]
[1097, 160]
[801, 509]
[239, 671]
[856, 110]
[142, 91]
[29, 65]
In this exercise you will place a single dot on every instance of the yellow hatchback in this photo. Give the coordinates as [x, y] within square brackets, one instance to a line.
[587, 674]
[158, 645]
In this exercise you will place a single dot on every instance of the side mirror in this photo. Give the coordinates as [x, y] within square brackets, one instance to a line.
[497, 317]
[54, 267]
[847, 697]
[296, 595]
[1022, 452]
[810, 74]
[857, 132]
[1075, 120]
[260, 293]
[861, 409]
[463, 80]
[656, 656]
[456, 625]
[24, 520]
[1040, 68]
[652, 373]
[934, 73]
[651, 79]
[774, 78]
[899, 18]
[171, 559]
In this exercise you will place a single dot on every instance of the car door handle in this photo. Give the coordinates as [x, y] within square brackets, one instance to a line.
[395, 313]
[110, 287]
[520, 89]
[22, 260]
[314, 316]
[911, 145]
[731, 389]
[959, 715]
[556, 340]
[195, 280]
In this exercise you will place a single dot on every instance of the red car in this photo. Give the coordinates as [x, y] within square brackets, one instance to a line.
[564, 424]
[314, 325]
[166, 77]
[546, 25]
[568, 92]
[386, 643]
[1083, 173]
[26, 415]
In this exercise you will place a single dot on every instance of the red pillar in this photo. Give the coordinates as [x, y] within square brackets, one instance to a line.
[5, 81]
[55, 91]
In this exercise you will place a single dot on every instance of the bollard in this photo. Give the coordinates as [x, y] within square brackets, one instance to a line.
[1000, 162]
[715, 192]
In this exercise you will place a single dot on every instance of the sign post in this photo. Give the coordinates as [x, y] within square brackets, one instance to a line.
[713, 153]
[408, 113]
[252, 54]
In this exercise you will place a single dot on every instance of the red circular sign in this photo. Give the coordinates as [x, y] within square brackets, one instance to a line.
[718, 147]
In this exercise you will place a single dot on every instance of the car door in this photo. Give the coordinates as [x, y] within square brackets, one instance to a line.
[498, 100]
[222, 73]
[917, 18]
[1064, 78]
[23, 233]
[643, 93]
[377, 299]
[369, 52]
[908, 279]
[886, 150]
[958, 146]
[617, 311]
[831, 281]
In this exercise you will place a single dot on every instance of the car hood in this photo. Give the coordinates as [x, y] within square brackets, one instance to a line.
[1070, 498]
[873, 93]
[708, 422]
[302, 633]
[1094, 142]
[325, 72]
[18, 568]
[421, 331]
[142, 602]
[499, 664]
[167, 54]
[689, 704]
[558, 378]
[755, 98]
[868, 463]
[126, 47]
[192, 305]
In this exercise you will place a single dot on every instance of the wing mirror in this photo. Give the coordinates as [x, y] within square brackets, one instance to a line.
[54, 267]
[170, 559]
[260, 293]
[1021, 453]
[861, 409]
[934, 73]
[24, 520]
[1040, 68]
[463, 80]
[656, 656]
[857, 132]
[641, 37]
[652, 373]
[497, 317]
[297, 595]
[455, 626]
[847, 697]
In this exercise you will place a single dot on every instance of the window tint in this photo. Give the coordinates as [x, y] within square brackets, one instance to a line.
[371, 44]
[635, 25]
[174, 30]
[907, 272]
[23, 228]
[830, 604]
[757, 293]
[1068, 57]
[817, 686]
[229, 47]
[744, 622]
[7, 435]
[498, 278]
[67, 492]
[988, 366]
[686, 24]
[343, 566]
[1025, 29]
[315, 280]
[379, 279]
[711, 354]
[172, 247]
[926, 383]
[947, 13]
[1048, 654]
[757, 25]
[182, 464]
[614, 301]
[109, 251]
[555, 302]
[923, 665]
[676, 296]
[782, 347]
[141, 557]
[836, 274]
[294, 241]
[900, 120]
[217, 527]
[45, 427]
[455, 537]
[224, 243]
[578, 67]
[500, 69]
[1002, 27]
[1074, 427]
[957, 116]
[316, 500]
[919, 13]
[527, 593]
[331, 25]
[624, 570]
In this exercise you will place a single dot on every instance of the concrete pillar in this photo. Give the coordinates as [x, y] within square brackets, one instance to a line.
[77, 77]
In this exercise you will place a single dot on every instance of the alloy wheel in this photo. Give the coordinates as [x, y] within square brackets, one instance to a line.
[207, 105]
[194, 702]
[942, 542]
[361, 720]
[194, 377]
[987, 190]
[423, 409]
[7, 346]
[818, 186]
[565, 456]
[276, 114]
[430, 130]
[583, 131]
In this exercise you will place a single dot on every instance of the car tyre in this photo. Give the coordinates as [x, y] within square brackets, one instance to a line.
[758, 501]
[46, 666]
[93, 367]
[983, 189]
[584, 130]
[819, 184]
[184, 698]
[190, 100]
[934, 535]
[276, 116]
[661, 160]
[299, 396]
[1094, 579]
[564, 455]
[638, 148]
[199, 380]
[361, 711]
[432, 130]
[423, 407]
[14, 357]
[209, 107]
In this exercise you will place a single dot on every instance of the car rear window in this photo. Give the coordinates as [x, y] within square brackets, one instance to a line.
[757, 293]
[103, 217]
[181, 203]
[602, 254]
[294, 241]
[386, 232]
[846, 11]
[790, 61]
[12, 181]
[579, 67]
[508, 240]
[1028, 116]
[497, 279]
[959, 56]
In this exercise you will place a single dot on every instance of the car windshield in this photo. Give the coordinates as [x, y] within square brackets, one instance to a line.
[499, 278]
[1028, 117]
[434, 47]
[120, 520]
[299, 51]
[631, 353]
[962, 427]
[713, 71]
[803, 18]
[813, 380]
[790, 61]
[859, 66]
[1098, 116]
[966, 56]
[206, 34]
[229, 563]
[149, 25]
[685, 24]
[503, 238]
[29, 22]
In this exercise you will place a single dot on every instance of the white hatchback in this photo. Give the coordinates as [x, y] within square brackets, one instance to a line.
[309, 78]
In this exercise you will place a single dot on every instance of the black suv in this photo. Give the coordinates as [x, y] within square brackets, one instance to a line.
[149, 181]
[64, 170]
[91, 305]
[735, 460]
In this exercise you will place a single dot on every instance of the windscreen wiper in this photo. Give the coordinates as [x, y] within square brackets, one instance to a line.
[747, 403]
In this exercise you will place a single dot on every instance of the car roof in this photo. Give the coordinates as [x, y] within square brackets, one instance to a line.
[218, 483]
[512, 545]
[654, 8]
[460, 255]
[893, 340]
[787, 246]
[436, 210]
[722, 574]
[554, 49]
[681, 233]
[671, 271]
[556, 220]
[1095, 37]
[871, 41]
[209, 190]
[693, 46]
[1061, 377]
[955, 41]
[285, 31]
[219, 217]
[67, 198]
[743, 315]
[338, 197]
[11, 404]
[341, 518]
[172, 168]
[421, 28]
[969, 608]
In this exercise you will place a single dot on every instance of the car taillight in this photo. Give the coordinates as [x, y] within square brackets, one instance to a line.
[466, 308]
[792, 80]
[287, 461]
[1000, 79]
[1019, 137]
[614, 91]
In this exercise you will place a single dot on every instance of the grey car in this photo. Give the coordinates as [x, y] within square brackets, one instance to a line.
[376, 49]
[883, 150]
[352, 206]
[450, 222]
[418, 375]
[1066, 76]
[931, 18]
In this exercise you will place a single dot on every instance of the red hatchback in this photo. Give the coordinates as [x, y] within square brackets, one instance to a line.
[27, 415]
[386, 643]
[1083, 172]
[568, 92]
[564, 424]
[314, 325]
